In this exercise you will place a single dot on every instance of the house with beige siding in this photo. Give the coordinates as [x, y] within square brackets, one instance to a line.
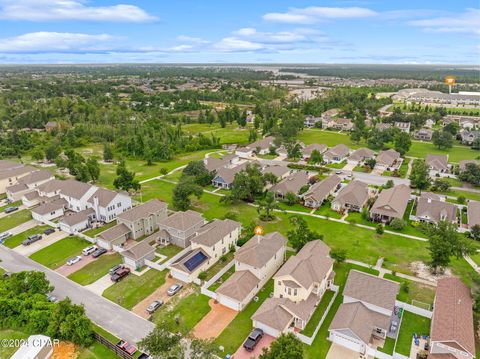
[179, 228]
[473, 214]
[319, 192]
[391, 203]
[144, 219]
[11, 172]
[27, 184]
[353, 197]
[292, 183]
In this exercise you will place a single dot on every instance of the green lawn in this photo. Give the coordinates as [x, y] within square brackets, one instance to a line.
[317, 315]
[411, 324]
[2, 270]
[415, 291]
[95, 270]
[222, 279]
[133, 289]
[16, 240]
[388, 346]
[6, 351]
[94, 231]
[14, 219]
[169, 251]
[476, 258]
[96, 351]
[217, 267]
[337, 165]
[230, 134]
[326, 210]
[14, 204]
[296, 207]
[56, 254]
[189, 310]
[457, 193]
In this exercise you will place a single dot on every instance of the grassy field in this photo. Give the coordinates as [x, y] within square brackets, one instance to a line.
[230, 134]
[411, 323]
[14, 219]
[415, 291]
[133, 289]
[169, 251]
[95, 270]
[7, 351]
[16, 240]
[16, 204]
[94, 231]
[56, 254]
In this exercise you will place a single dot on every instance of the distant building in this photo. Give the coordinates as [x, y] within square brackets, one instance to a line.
[423, 134]
[403, 126]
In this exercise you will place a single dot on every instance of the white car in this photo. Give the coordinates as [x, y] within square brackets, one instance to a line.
[5, 235]
[89, 250]
[74, 260]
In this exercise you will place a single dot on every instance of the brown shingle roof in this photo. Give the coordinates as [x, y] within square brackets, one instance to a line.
[228, 173]
[277, 170]
[215, 231]
[77, 217]
[320, 190]
[239, 285]
[361, 154]
[260, 249]
[371, 289]
[452, 316]
[436, 210]
[355, 193]
[182, 220]
[75, 189]
[144, 210]
[388, 157]
[339, 150]
[307, 151]
[16, 171]
[114, 232]
[473, 213]
[392, 202]
[463, 164]
[50, 206]
[292, 183]
[36, 176]
[138, 251]
[263, 143]
[437, 162]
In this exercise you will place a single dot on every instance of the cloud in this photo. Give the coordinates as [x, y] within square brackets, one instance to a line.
[233, 44]
[68, 10]
[191, 39]
[466, 22]
[313, 14]
[35, 42]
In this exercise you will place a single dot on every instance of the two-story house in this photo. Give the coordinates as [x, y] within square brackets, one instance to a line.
[298, 288]
[179, 228]
[255, 262]
[211, 242]
[144, 219]
[27, 183]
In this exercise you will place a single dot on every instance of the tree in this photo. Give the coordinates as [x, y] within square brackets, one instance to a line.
[290, 198]
[441, 185]
[266, 205]
[301, 234]
[442, 139]
[125, 179]
[161, 342]
[269, 177]
[445, 242]
[183, 191]
[389, 184]
[248, 183]
[475, 232]
[294, 151]
[315, 157]
[379, 229]
[420, 176]
[202, 349]
[93, 168]
[107, 152]
[370, 163]
[38, 155]
[338, 255]
[402, 142]
[471, 174]
[52, 152]
[452, 127]
[199, 172]
[286, 346]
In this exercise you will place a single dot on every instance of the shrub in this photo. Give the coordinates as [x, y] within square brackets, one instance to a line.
[398, 224]
[380, 229]
[202, 275]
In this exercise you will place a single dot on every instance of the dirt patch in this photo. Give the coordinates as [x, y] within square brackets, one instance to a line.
[421, 270]
[215, 321]
[65, 350]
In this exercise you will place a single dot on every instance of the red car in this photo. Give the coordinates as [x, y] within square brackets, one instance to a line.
[119, 274]
[125, 346]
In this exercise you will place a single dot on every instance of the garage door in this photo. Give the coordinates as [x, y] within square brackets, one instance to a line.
[347, 342]
[180, 276]
[266, 329]
[229, 302]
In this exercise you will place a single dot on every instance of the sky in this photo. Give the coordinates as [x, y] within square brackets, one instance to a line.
[246, 31]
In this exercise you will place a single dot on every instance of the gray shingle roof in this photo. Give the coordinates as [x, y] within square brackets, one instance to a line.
[260, 249]
[138, 251]
[292, 183]
[355, 193]
[182, 220]
[320, 190]
[392, 202]
[114, 232]
[239, 285]
[144, 210]
[215, 231]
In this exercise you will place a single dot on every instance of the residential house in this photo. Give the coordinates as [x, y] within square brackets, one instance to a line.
[136, 255]
[360, 156]
[255, 262]
[403, 126]
[77, 221]
[311, 121]
[336, 154]
[452, 333]
[51, 126]
[468, 137]
[11, 172]
[27, 184]
[343, 124]
[381, 126]
[108, 204]
[143, 219]
[278, 171]
[260, 147]
[320, 191]
[292, 183]
[212, 164]
[49, 211]
[211, 242]
[114, 237]
[179, 228]
[307, 151]
[225, 175]
[390, 204]
[363, 320]
[388, 160]
[424, 134]
[464, 163]
[352, 197]
[299, 286]
[437, 164]
[473, 214]
[431, 209]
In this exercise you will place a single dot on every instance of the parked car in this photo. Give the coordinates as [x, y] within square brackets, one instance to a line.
[120, 274]
[89, 250]
[31, 239]
[338, 172]
[7, 274]
[174, 289]
[154, 306]
[127, 347]
[74, 260]
[11, 209]
[49, 231]
[253, 339]
[114, 270]
[51, 298]
[99, 252]
[4, 236]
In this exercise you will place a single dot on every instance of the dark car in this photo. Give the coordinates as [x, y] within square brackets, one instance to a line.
[127, 347]
[154, 306]
[253, 339]
[119, 274]
[31, 239]
[99, 252]
[11, 209]
[114, 270]
[49, 231]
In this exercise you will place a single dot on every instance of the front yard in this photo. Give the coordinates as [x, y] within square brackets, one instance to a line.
[17, 239]
[96, 269]
[133, 289]
[56, 254]
[14, 219]
[411, 324]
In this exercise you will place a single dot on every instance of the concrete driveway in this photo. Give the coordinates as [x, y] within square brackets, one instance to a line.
[213, 324]
[24, 227]
[44, 242]
[339, 352]
[265, 342]
[3, 214]
[349, 167]
[100, 285]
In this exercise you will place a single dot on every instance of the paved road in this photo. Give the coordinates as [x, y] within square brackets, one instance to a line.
[110, 316]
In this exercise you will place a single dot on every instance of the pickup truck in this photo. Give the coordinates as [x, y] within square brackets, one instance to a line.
[119, 274]
[31, 239]
[253, 339]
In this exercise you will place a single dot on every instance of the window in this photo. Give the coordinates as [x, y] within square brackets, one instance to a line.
[295, 291]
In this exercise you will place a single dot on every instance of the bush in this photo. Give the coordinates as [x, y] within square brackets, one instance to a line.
[163, 171]
[380, 229]
[338, 255]
[202, 275]
[398, 224]
[461, 199]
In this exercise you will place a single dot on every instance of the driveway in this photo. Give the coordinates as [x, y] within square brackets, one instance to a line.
[3, 214]
[214, 322]
[339, 352]
[160, 293]
[110, 316]
[100, 285]
[265, 342]
[44, 242]
[24, 227]
[66, 270]
[349, 167]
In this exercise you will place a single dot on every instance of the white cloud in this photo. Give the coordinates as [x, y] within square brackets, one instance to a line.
[466, 22]
[191, 39]
[313, 14]
[66, 10]
[55, 42]
[233, 44]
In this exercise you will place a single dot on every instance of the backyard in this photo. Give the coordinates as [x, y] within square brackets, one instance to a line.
[411, 324]
[96, 269]
[56, 254]
[94, 231]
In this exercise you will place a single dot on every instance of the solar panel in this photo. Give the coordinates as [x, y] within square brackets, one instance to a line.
[195, 261]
